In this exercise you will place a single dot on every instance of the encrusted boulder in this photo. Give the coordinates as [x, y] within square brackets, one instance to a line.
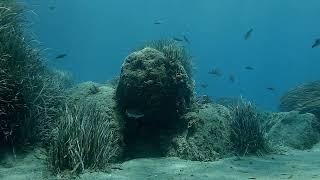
[304, 98]
[294, 130]
[207, 135]
[154, 91]
[153, 85]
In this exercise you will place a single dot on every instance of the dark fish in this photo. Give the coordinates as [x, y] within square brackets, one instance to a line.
[61, 56]
[232, 78]
[157, 22]
[316, 43]
[248, 34]
[204, 85]
[185, 38]
[177, 39]
[117, 168]
[52, 8]
[215, 72]
[249, 68]
[270, 88]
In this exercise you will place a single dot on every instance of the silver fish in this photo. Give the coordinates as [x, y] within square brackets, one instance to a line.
[134, 114]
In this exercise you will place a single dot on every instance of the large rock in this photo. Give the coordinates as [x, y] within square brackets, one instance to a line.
[207, 135]
[294, 130]
[153, 85]
[304, 98]
[154, 91]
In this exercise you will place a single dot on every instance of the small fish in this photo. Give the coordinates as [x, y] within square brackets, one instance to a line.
[177, 39]
[117, 168]
[215, 72]
[316, 43]
[249, 68]
[204, 85]
[61, 56]
[270, 88]
[52, 8]
[158, 22]
[248, 34]
[232, 78]
[185, 38]
[134, 114]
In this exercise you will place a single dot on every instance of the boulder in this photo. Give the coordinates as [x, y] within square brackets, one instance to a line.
[304, 98]
[292, 129]
[207, 135]
[154, 91]
[153, 85]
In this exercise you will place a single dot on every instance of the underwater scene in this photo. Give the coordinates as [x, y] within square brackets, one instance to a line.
[159, 90]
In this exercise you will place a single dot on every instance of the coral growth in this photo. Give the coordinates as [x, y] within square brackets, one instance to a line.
[304, 98]
[247, 133]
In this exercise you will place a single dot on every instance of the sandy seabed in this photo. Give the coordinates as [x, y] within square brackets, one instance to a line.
[291, 165]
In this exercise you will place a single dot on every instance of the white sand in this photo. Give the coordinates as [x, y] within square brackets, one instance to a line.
[302, 165]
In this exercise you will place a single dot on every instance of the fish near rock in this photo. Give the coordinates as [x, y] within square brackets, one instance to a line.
[316, 43]
[215, 72]
[61, 56]
[248, 34]
[249, 68]
[232, 78]
[134, 114]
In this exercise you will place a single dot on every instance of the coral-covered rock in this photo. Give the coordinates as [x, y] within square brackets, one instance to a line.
[291, 129]
[207, 135]
[155, 90]
[304, 98]
[153, 85]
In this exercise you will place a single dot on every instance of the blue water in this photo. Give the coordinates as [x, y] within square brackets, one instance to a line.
[98, 35]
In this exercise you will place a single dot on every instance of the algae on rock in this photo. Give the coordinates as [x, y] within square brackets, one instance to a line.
[155, 90]
[207, 135]
[292, 129]
[304, 98]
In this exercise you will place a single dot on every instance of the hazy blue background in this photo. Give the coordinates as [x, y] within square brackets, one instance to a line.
[98, 35]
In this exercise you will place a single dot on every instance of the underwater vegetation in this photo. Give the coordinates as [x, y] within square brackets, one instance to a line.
[82, 140]
[87, 134]
[247, 132]
[175, 52]
[149, 110]
[304, 98]
[30, 95]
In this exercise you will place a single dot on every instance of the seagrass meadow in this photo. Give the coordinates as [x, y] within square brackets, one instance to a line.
[132, 90]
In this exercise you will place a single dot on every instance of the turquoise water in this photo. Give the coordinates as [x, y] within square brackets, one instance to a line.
[98, 35]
